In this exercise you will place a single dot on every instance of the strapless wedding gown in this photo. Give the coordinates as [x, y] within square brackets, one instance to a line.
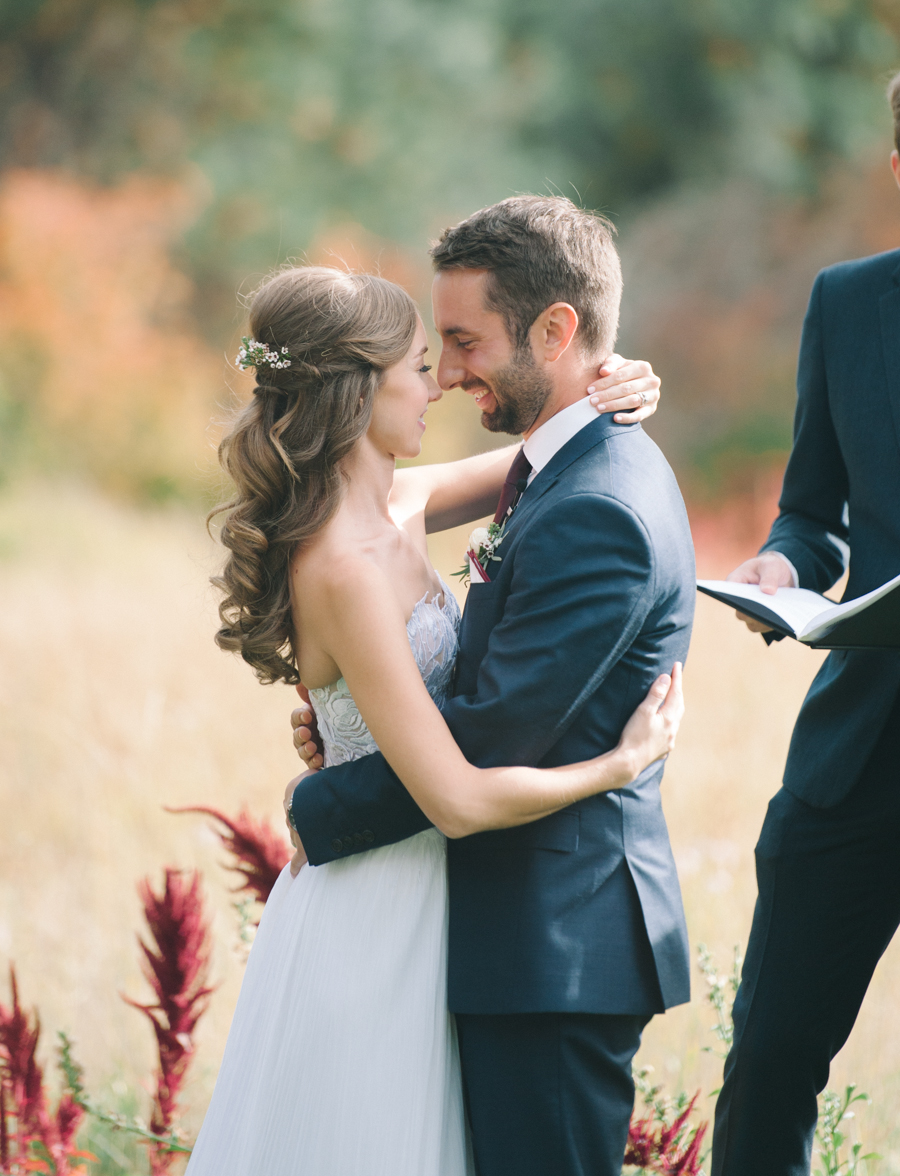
[342, 1057]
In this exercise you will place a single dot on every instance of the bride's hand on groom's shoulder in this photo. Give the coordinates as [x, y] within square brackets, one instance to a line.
[629, 388]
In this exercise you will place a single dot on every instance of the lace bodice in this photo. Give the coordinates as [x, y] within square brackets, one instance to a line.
[433, 632]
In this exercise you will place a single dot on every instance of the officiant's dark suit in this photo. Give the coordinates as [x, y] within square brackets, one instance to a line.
[566, 935]
[828, 863]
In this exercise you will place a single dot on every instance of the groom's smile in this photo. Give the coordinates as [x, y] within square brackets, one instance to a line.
[479, 357]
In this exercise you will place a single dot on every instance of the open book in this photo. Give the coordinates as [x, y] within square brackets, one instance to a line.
[869, 622]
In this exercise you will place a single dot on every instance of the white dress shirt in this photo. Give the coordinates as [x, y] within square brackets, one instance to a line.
[553, 434]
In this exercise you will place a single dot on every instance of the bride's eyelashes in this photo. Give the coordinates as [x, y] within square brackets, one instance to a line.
[425, 368]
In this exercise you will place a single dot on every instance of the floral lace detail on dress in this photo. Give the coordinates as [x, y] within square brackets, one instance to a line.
[433, 632]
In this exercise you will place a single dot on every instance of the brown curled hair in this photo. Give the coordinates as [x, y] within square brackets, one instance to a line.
[284, 451]
[539, 250]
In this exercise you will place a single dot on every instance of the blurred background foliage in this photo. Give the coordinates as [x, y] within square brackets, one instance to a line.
[158, 155]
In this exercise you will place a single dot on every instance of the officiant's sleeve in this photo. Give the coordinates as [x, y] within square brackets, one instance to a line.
[814, 495]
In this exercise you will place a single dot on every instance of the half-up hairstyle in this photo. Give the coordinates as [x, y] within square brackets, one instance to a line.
[284, 452]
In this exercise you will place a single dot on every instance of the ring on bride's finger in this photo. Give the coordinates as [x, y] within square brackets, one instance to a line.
[645, 399]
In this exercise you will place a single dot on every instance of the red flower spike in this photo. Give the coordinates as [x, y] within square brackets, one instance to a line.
[689, 1163]
[259, 853]
[176, 968]
[22, 1097]
[4, 1132]
[655, 1147]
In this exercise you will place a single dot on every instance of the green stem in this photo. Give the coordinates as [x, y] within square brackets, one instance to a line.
[74, 1073]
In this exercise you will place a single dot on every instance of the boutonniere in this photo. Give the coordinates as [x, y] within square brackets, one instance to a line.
[482, 551]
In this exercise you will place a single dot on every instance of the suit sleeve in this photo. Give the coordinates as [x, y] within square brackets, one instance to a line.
[582, 587]
[814, 494]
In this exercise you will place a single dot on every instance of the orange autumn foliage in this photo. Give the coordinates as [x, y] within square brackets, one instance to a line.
[96, 343]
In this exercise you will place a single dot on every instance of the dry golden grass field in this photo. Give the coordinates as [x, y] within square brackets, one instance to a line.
[114, 701]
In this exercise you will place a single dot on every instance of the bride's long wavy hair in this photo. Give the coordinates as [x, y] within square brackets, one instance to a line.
[284, 451]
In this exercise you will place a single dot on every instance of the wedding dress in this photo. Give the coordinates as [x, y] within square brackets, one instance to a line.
[342, 1057]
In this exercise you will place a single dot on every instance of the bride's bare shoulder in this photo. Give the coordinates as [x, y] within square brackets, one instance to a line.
[328, 576]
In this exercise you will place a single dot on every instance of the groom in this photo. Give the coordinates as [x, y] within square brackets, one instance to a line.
[566, 935]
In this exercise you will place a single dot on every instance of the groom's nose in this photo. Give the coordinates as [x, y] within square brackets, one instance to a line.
[450, 371]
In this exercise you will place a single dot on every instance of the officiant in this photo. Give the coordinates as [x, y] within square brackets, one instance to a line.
[828, 857]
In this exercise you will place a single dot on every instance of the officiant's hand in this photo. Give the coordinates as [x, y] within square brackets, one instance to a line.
[299, 859]
[771, 571]
[306, 732]
[627, 387]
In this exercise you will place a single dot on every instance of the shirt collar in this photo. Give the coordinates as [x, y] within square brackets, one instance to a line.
[554, 433]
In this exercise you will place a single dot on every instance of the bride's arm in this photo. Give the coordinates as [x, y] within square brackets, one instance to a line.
[456, 492]
[452, 492]
[360, 623]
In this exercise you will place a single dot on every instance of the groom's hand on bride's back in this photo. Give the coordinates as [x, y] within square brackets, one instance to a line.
[306, 731]
[299, 859]
[628, 388]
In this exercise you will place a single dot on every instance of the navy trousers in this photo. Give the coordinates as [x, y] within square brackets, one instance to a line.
[549, 1094]
[829, 903]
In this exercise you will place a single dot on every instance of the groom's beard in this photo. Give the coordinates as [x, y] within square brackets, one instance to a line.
[520, 391]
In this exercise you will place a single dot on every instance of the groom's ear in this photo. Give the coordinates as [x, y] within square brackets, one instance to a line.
[552, 332]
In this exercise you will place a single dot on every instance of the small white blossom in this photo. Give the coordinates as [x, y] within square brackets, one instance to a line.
[254, 354]
[478, 538]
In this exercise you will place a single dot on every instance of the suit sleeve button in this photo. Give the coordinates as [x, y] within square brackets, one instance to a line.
[348, 841]
[368, 836]
[358, 839]
[337, 845]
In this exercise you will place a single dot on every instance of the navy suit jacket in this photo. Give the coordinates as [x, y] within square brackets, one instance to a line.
[592, 599]
[843, 484]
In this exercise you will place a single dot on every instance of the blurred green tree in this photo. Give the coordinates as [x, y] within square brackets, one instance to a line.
[289, 124]
[398, 114]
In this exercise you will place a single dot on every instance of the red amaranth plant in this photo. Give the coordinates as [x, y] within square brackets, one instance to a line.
[176, 967]
[39, 1141]
[671, 1149]
[258, 851]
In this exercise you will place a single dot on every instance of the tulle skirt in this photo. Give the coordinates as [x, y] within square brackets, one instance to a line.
[342, 1057]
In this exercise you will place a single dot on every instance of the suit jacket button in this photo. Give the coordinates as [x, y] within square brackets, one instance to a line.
[348, 841]
[337, 845]
[358, 839]
[368, 836]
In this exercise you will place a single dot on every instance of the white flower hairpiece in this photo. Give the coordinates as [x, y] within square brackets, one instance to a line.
[254, 354]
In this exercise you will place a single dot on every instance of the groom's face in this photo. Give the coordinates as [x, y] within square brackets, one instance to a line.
[479, 357]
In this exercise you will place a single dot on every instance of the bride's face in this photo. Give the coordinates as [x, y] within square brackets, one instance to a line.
[402, 400]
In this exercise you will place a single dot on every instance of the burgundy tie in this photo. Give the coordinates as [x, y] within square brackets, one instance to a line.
[516, 481]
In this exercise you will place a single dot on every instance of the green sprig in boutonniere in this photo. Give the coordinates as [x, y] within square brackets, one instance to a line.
[482, 551]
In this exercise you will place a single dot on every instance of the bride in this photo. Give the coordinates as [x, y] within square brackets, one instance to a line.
[342, 1059]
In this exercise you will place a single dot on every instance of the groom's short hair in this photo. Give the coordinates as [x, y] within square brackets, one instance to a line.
[894, 99]
[539, 250]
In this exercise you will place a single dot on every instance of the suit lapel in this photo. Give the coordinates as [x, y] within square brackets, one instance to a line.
[584, 440]
[890, 339]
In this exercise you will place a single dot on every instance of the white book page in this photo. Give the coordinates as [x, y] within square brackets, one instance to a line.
[817, 626]
[797, 607]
